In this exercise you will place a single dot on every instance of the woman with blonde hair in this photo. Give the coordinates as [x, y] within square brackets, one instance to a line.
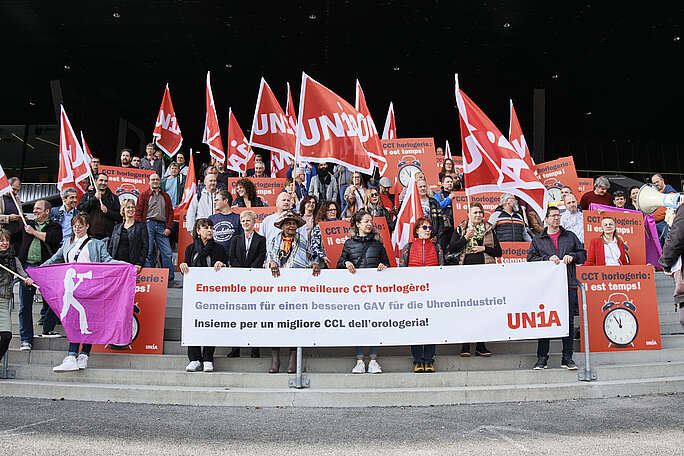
[350, 206]
[608, 249]
[373, 205]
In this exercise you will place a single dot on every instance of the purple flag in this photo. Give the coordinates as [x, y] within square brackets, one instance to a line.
[94, 301]
[653, 248]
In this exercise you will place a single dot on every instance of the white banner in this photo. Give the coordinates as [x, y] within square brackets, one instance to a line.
[398, 306]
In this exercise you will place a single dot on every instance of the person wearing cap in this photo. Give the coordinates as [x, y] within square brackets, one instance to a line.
[288, 249]
[387, 198]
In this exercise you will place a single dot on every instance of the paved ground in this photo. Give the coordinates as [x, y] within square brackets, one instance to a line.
[649, 425]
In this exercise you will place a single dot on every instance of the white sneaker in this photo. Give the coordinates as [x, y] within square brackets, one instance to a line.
[360, 367]
[374, 367]
[82, 361]
[68, 365]
[25, 346]
[194, 366]
[208, 366]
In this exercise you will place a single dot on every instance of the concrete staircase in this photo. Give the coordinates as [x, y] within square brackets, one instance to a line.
[505, 377]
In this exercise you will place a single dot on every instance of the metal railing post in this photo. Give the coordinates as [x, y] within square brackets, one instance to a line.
[587, 374]
[299, 381]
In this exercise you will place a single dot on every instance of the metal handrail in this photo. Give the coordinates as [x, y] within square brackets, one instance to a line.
[586, 375]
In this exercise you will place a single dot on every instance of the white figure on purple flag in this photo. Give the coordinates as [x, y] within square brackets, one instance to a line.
[68, 300]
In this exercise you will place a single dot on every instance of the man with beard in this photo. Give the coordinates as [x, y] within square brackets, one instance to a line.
[125, 158]
[323, 184]
[508, 222]
[102, 206]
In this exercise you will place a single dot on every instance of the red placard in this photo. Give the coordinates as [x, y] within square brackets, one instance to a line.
[513, 252]
[149, 314]
[334, 234]
[184, 239]
[489, 200]
[267, 188]
[557, 173]
[261, 213]
[407, 156]
[126, 182]
[628, 225]
[622, 308]
[584, 185]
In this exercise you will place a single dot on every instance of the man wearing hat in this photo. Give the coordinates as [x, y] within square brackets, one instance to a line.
[386, 197]
[288, 249]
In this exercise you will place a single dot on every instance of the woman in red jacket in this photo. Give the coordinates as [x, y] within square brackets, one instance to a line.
[607, 249]
[422, 252]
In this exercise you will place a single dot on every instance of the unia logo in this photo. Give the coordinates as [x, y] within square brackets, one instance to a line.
[151, 347]
[533, 319]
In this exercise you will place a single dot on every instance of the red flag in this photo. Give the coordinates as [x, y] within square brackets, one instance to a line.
[490, 162]
[411, 210]
[188, 192]
[390, 131]
[272, 131]
[4, 182]
[212, 132]
[167, 133]
[239, 151]
[328, 130]
[88, 156]
[517, 140]
[368, 132]
[447, 152]
[72, 165]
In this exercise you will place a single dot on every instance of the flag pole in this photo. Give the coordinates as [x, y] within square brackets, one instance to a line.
[16, 275]
[19, 207]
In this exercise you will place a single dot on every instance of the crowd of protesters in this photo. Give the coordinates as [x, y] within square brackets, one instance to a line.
[101, 228]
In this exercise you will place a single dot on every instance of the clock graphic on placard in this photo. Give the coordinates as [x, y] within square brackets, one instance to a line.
[408, 166]
[553, 187]
[620, 325]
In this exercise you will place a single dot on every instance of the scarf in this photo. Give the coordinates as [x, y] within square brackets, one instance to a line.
[479, 234]
[202, 256]
[285, 249]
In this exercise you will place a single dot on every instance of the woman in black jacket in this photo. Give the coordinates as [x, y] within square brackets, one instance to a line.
[202, 253]
[247, 196]
[129, 239]
[363, 249]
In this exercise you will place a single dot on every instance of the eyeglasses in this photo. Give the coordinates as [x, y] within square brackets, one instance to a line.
[373, 194]
[332, 209]
[426, 227]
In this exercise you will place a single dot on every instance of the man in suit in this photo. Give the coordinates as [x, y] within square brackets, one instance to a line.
[247, 250]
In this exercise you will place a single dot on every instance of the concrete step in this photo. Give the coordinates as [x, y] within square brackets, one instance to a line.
[339, 397]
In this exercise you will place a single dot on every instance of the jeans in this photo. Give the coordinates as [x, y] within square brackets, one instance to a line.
[373, 352]
[569, 341]
[74, 346]
[663, 228]
[201, 354]
[155, 233]
[423, 353]
[26, 295]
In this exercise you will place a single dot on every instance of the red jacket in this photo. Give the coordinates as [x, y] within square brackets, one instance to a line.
[596, 255]
[143, 201]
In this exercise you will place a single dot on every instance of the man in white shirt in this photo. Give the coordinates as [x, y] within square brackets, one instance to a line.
[572, 219]
[283, 203]
[202, 206]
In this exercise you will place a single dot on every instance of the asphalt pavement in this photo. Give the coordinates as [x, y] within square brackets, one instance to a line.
[645, 425]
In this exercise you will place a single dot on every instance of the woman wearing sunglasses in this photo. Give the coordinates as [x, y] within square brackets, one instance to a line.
[474, 242]
[422, 252]
[374, 207]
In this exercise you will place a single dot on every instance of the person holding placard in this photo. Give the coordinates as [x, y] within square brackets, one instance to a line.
[608, 249]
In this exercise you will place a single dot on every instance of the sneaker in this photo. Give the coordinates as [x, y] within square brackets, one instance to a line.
[481, 350]
[50, 335]
[374, 367]
[82, 361]
[360, 367]
[465, 350]
[68, 365]
[25, 346]
[429, 367]
[541, 363]
[193, 366]
[568, 364]
[418, 367]
[208, 366]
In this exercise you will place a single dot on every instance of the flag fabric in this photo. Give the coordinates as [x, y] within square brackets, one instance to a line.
[73, 169]
[327, 129]
[447, 152]
[368, 133]
[517, 140]
[410, 211]
[167, 134]
[490, 162]
[94, 301]
[188, 192]
[272, 131]
[212, 132]
[390, 130]
[239, 151]
[5, 186]
[88, 155]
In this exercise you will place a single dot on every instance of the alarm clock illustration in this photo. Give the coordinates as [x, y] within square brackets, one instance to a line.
[135, 330]
[553, 187]
[620, 325]
[408, 166]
